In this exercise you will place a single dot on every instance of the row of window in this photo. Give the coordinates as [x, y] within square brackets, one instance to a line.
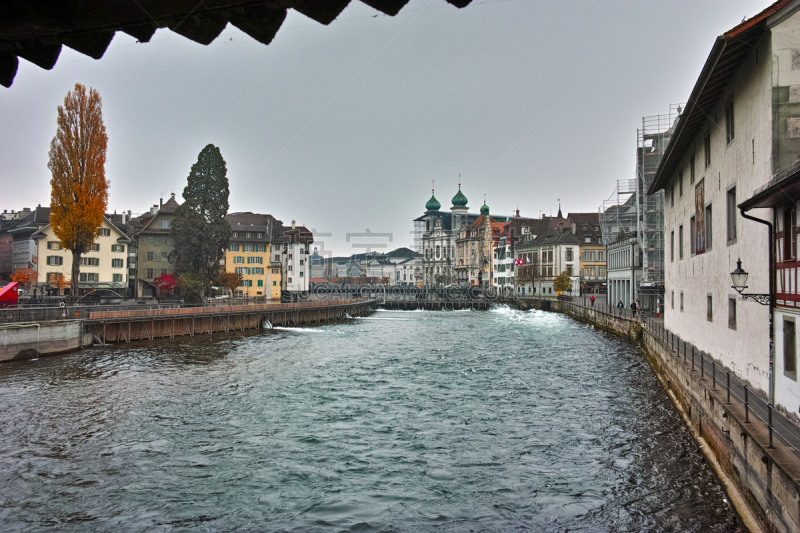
[248, 235]
[157, 256]
[249, 271]
[594, 255]
[56, 245]
[58, 260]
[151, 272]
[162, 240]
[249, 248]
[88, 276]
[252, 260]
[710, 307]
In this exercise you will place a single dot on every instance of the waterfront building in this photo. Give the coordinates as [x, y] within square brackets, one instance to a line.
[250, 255]
[624, 270]
[381, 268]
[408, 271]
[592, 254]
[475, 246]
[435, 236]
[153, 244]
[504, 264]
[294, 245]
[348, 267]
[24, 251]
[737, 133]
[102, 267]
[9, 221]
[551, 246]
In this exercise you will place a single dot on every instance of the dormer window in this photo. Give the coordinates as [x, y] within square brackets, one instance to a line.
[588, 239]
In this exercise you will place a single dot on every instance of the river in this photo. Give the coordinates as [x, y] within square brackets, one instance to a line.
[402, 421]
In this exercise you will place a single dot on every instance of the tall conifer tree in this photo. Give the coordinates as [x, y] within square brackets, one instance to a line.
[199, 229]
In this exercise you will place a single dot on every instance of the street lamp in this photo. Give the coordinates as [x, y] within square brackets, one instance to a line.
[739, 280]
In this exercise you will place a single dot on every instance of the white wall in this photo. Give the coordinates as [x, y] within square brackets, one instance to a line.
[744, 349]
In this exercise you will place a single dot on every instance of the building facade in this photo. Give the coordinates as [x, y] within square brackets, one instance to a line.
[254, 253]
[295, 244]
[103, 267]
[724, 150]
[624, 264]
[154, 244]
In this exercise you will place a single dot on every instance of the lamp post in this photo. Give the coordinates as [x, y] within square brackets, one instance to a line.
[739, 280]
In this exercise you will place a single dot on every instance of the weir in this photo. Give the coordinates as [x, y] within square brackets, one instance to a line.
[31, 340]
[150, 324]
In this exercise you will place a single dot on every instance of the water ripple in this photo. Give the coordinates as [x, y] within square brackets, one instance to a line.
[421, 421]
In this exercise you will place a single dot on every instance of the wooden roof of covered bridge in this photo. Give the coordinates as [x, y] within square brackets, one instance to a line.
[36, 30]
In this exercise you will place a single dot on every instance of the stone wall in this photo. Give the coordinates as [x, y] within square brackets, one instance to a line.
[26, 341]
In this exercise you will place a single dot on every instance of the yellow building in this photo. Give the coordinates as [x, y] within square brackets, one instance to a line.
[105, 266]
[593, 267]
[251, 255]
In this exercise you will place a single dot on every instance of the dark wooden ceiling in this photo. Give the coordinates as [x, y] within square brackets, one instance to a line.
[37, 29]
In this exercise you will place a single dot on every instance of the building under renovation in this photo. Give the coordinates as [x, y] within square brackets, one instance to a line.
[633, 221]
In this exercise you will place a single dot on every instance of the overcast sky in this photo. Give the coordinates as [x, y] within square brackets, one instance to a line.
[343, 127]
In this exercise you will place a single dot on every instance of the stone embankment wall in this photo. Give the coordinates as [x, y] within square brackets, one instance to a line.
[763, 482]
[26, 341]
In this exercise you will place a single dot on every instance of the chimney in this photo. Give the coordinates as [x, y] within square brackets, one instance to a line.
[293, 224]
[160, 203]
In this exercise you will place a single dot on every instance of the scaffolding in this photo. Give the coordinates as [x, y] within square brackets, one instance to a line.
[618, 213]
[419, 232]
[652, 140]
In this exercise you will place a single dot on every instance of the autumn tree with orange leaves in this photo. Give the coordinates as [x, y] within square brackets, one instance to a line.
[79, 190]
[25, 276]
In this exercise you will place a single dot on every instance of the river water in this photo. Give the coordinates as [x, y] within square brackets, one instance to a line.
[404, 421]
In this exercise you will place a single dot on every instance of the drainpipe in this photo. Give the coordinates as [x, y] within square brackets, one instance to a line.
[771, 301]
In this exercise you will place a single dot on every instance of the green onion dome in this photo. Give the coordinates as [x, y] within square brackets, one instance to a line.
[485, 210]
[459, 200]
[433, 204]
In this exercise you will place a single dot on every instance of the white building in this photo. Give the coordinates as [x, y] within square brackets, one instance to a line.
[723, 150]
[624, 270]
[103, 267]
[294, 257]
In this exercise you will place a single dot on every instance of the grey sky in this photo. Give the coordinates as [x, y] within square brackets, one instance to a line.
[343, 127]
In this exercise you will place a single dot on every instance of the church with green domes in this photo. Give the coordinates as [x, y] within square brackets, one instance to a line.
[436, 236]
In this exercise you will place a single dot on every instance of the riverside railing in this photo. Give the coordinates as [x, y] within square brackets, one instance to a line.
[703, 367]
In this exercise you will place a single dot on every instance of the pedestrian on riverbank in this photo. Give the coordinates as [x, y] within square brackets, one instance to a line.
[592, 300]
[633, 308]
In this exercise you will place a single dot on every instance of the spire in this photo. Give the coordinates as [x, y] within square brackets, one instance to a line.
[559, 209]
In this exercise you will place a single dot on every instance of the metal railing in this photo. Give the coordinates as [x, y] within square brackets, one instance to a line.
[703, 367]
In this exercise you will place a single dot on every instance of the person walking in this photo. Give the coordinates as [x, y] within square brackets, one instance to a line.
[633, 308]
[592, 300]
